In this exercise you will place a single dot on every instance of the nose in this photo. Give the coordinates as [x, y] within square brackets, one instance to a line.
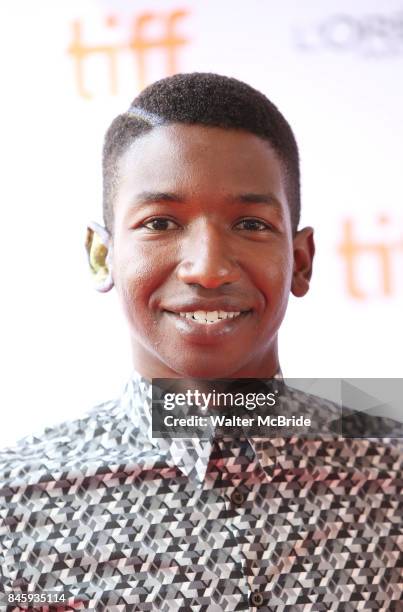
[206, 258]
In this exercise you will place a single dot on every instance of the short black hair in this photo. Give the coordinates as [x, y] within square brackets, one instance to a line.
[202, 99]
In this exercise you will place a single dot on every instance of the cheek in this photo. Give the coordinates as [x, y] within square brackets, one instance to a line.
[275, 278]
[136, 275]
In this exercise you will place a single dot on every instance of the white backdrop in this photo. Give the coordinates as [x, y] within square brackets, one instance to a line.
[333, 67]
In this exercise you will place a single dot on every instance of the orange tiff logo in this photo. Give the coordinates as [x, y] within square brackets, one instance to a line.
[381, 254]
[139, 45]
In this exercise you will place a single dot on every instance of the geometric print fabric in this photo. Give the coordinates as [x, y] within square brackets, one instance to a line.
[117, 521]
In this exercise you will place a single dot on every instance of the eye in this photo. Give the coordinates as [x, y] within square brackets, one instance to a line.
[254, 225]
[160, 224]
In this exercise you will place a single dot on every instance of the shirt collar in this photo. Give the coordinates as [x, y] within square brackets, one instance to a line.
[190, 455]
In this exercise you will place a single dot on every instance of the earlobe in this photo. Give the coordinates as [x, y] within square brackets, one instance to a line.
[99, 252]
[304, 250]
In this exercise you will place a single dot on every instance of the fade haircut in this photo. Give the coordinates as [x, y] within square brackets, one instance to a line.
[202, 99]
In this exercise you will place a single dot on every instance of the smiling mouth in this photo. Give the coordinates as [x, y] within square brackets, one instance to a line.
[206, 317]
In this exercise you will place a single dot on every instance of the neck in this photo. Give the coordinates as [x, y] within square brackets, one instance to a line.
[149, 367]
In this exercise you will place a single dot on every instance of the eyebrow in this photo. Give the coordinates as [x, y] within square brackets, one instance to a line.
[149, 197]
[257, 198]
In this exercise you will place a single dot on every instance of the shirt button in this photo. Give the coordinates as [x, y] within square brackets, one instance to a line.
[256, 599]
[237, 498]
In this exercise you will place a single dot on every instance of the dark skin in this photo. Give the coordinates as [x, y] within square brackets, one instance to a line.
[202, 223]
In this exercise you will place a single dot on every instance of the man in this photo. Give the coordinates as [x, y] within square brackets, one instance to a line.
[201, 242]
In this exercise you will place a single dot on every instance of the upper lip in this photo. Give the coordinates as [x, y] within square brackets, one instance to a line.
[208, 305]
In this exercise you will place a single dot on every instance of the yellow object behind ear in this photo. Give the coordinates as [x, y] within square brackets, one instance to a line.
[97, 258]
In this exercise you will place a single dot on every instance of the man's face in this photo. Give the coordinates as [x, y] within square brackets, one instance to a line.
[202, 226]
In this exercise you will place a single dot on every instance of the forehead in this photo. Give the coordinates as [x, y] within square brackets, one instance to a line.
[200, 159]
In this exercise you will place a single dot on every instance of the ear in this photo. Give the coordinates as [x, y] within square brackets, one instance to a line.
[304, 250]
[98, 245]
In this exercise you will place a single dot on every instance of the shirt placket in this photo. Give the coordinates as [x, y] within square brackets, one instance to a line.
[243, 471]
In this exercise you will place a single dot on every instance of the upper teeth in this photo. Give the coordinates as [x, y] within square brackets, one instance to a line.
[211, 316]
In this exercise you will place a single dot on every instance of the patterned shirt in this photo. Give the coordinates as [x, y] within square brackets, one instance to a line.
[100, 511]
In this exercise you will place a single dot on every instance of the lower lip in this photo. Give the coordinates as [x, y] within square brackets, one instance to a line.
[205, 333]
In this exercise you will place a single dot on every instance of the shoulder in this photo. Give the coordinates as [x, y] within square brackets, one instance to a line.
[334, 418]
[60, 447]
